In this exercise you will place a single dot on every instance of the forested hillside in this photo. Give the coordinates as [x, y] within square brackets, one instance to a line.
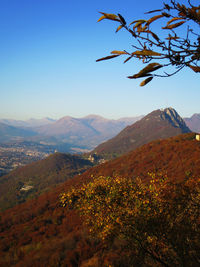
[42, 232]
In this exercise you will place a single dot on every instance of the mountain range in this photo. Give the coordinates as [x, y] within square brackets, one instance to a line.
[39, 232]
[71, 133]
[158, 124]
[27, 123]
[31, 180]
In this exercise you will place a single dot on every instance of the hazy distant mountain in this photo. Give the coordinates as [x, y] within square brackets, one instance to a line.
[108, 127]
[28, 123]
[158, 124]
[193, 122]
[67, 134]
[11, 133]
[88, 131]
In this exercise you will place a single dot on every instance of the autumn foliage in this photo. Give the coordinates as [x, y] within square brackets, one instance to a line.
[40, 232]
[158, 220]
[176, 49]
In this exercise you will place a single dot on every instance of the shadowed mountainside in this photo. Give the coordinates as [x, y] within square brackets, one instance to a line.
[193, 122]
[11, 133]
[40, 232]
[33, 179]
[158, 124]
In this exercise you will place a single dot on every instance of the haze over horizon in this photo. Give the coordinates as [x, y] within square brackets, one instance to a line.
[84, 116]
[48, 69]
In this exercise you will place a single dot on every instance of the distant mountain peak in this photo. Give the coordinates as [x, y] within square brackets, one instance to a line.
[91, 116]
[158, 124]
[193, 122]
[173, 117]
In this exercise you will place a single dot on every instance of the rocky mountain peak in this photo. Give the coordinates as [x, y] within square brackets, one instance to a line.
[173, 117]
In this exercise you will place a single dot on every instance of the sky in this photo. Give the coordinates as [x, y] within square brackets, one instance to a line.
[48, 68]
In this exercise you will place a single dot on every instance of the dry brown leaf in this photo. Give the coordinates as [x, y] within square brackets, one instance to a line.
[101, 18]
[135, 76]
[154, 18]
[116, 52]
[109, 16]
[152, 11]
[145, 72]
[128, 58]
[195, 68]
[146, 53]
[173, 19]
[119, 28]
[143, 83]
[137, 21]
[106, 58]
[172, 26]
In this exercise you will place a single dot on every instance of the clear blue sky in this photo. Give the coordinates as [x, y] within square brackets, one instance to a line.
[48, 50]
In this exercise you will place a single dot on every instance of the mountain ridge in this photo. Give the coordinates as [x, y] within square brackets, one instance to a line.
[74, 133]
[156, 125]
[194, 122]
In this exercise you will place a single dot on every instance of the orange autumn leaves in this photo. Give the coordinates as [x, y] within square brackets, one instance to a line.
[108, 203]
[158, 215]
[172, 47]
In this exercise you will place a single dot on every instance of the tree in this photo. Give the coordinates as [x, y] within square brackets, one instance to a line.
[158, 219]
[173, 50]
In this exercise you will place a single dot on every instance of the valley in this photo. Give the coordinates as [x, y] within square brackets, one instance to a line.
[100, 134]
[14, 155]
[156, 153]
[23, 142]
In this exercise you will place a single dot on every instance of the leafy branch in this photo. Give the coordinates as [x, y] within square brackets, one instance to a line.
[173, 50]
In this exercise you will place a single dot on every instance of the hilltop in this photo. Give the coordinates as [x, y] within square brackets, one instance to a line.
[35, 178]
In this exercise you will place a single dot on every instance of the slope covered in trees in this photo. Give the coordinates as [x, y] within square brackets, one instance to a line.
[33, 179]
[41, 232]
